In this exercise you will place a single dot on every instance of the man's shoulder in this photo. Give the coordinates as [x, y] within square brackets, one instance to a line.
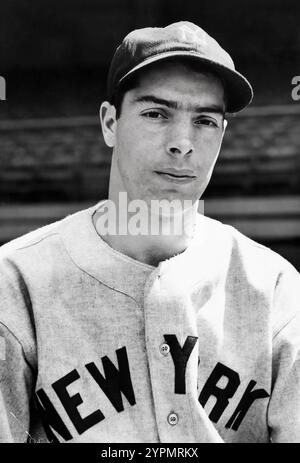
[244, 249]
[29, 239]
[45, 236]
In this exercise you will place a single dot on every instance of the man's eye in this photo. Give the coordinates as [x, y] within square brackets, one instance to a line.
[153, 115]
[207, 122]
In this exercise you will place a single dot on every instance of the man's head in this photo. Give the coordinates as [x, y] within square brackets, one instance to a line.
[165, 116]
[183, 40]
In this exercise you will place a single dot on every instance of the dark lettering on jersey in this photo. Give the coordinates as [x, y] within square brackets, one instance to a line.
[70, 403]
[115, 381]
[245, 403]
[222, 384]
[224, 394]
[180, 358]
[50, 418]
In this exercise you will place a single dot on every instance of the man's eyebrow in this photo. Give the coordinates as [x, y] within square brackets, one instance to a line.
[154, 99]
[213, 108]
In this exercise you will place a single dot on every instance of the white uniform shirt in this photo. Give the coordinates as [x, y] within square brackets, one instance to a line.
[203, 348]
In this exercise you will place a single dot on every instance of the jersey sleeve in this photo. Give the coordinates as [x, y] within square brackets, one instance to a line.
[16, 383]
[284, 407]
[17, 354]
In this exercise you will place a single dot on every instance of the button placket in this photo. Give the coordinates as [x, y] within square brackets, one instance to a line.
[159, 303]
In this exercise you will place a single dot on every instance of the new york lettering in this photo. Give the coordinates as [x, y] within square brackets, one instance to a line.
[113, 383]
[117, 381]
[180, 358]
[223, 395]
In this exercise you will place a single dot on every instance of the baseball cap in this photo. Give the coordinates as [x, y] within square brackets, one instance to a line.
[143, 47]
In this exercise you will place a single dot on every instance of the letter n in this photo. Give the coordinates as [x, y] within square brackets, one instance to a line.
[50, 418]
[222, 394]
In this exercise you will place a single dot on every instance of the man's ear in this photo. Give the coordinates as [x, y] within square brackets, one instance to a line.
[108, 123]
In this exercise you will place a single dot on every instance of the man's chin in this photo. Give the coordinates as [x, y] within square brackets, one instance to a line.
[174, 196]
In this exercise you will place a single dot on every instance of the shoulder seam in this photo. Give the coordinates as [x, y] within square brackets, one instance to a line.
[38, 240]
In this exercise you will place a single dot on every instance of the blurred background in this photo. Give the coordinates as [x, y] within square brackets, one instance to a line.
[54, 56]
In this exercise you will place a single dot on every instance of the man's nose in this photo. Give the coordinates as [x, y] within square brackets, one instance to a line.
[180, 141]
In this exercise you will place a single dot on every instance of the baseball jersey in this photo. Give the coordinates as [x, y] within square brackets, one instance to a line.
[96, 346]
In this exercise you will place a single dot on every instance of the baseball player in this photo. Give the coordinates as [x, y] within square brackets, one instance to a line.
[187, 337]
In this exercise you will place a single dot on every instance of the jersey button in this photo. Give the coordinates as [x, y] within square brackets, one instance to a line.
[173, 419]
[164, 349]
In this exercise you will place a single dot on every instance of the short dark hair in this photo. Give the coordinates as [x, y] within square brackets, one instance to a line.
[133, 81]
[130, 83]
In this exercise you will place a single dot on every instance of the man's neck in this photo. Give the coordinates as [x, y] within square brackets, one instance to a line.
[149, 247]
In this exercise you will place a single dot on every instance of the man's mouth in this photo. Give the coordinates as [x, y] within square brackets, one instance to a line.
[182, 176]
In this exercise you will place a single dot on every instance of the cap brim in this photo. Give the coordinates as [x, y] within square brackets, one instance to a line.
[239, 92]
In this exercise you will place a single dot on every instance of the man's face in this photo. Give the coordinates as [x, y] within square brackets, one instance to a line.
[169, 134]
